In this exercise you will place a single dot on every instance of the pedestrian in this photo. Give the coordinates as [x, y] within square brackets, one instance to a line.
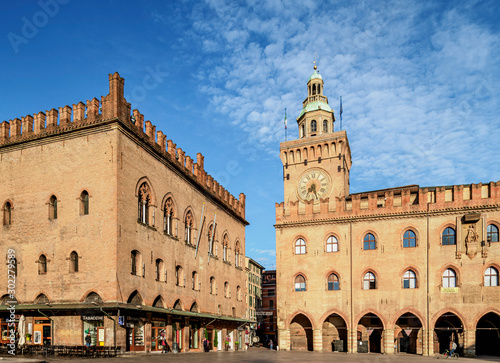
[205, 345]
[271, 344]
[453, 348]
[88, 340]
[163, 342]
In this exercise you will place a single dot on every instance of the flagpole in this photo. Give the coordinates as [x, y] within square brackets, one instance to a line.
[285, 125]
[340, 113]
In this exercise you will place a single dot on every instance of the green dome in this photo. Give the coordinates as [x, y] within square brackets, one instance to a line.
[315, 75]
[316, 105]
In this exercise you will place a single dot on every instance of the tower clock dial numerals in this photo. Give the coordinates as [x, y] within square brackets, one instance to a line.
[313, 185]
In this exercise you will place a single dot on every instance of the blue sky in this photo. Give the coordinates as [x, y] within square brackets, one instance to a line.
[419, 81]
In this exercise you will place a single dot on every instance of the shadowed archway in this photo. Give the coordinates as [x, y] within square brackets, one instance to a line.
[301, 333]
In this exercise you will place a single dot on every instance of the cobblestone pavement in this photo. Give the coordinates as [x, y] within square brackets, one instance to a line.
[256, 355]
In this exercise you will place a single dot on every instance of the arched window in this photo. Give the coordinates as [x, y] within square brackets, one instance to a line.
[179, 276]
[409, 280]
[7, 214]
[303, 130]
[135, 262]
[73, 262]
[314, 89]
[159, 266]
[188, 225]
[168, 216]
[194, 281]
[332, 244]
[237, 254]
[369, 242]
[449, 278]
[369, 281]
[213, 290]
[491, 277]
[93, 297]
[84, 203]
[492, 233]
[42, 299]
[225, 241]
[333, 282]
[300, 283]
[211, 240]
[53, 207]
[448, 237]
[226, 290]
[42, 265]
[238, 293]
[409, 239]
[325, 126]
[300, 247]
[144, 201]
[313, 126]
[178, 305]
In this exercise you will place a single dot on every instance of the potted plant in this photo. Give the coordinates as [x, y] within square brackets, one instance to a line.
[236, 345]
[28, 337]
[226, 342]
[216, 340]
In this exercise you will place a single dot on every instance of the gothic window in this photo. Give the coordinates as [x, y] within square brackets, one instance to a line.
[168, 216]
[332, 244]
[449, 278]
[53, 207]
[144, 201]
[188, 226]
[73, 262]
[225, 241]
[409, 239]
[42, 265]
[492, 233]
[491, 277]
[159, 273]
[195, 281]
[238, 293]
[369, 281]
[211, 240]
[325, 126]
[448, 237]
[179, 276]
[93, 297]
[237, 254]
[135, 258]
[7, 214]
[333, 282]
[300, 283]
[369, 242]
[300, 247]
[42, 299]
[313, 126]
[226, 290]
[84, 203]
[409, 280]
[213, 290]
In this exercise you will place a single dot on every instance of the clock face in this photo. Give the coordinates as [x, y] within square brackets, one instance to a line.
[314, 184]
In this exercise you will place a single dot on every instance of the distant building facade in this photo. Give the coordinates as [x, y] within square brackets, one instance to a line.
[406, 269]
[114, 231]
[268, 325]
[254, 293]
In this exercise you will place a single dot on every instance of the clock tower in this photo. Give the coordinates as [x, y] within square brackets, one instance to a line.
[316, 165]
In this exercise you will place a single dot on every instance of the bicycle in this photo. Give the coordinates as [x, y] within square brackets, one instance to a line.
[446, 355]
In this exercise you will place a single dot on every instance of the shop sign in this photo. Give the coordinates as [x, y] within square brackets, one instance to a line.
[133, 318]
[449, 290]
[92, 317]
[121, 320]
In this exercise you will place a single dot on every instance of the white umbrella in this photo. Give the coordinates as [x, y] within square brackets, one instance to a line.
[21, 329]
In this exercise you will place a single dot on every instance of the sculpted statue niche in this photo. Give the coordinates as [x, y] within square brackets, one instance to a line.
[471, 241]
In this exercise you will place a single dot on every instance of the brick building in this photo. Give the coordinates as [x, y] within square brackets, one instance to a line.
[406, 269]
[116, 232]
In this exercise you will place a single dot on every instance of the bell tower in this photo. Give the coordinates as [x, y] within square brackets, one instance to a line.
[316, 165]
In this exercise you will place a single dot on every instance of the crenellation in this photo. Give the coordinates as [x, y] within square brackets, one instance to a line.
[39, 122]
[4, 131]
[209, 183]
[15, 127]
[150, 131]
[92, 109]
[161, 141]
[27, 122]
[180, 156]
[139, 120]
[189, 164]
[52, 118]
[171, 148]
[78, 112]
[64, 115]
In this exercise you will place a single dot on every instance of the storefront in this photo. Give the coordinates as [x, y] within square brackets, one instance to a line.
[42, 331]
[135, 334]
[158, 333]
[95, 326]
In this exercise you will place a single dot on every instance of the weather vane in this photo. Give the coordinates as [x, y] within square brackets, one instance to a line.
[315, 66]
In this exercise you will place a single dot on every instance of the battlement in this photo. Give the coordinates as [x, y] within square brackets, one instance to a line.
[393, 201]
[114, 107]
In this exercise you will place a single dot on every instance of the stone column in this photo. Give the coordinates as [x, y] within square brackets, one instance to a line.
[428, 342]
[168, 331]
[352, 341]
[284, 339]
[317, 340]
[388, 341]
[470, 343]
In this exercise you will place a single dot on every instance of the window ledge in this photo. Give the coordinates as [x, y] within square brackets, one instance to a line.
[239, 268]
[146, 225]
[227, 263]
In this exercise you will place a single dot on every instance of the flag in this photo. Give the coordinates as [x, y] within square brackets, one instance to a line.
[285, 118]
[341, 107]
